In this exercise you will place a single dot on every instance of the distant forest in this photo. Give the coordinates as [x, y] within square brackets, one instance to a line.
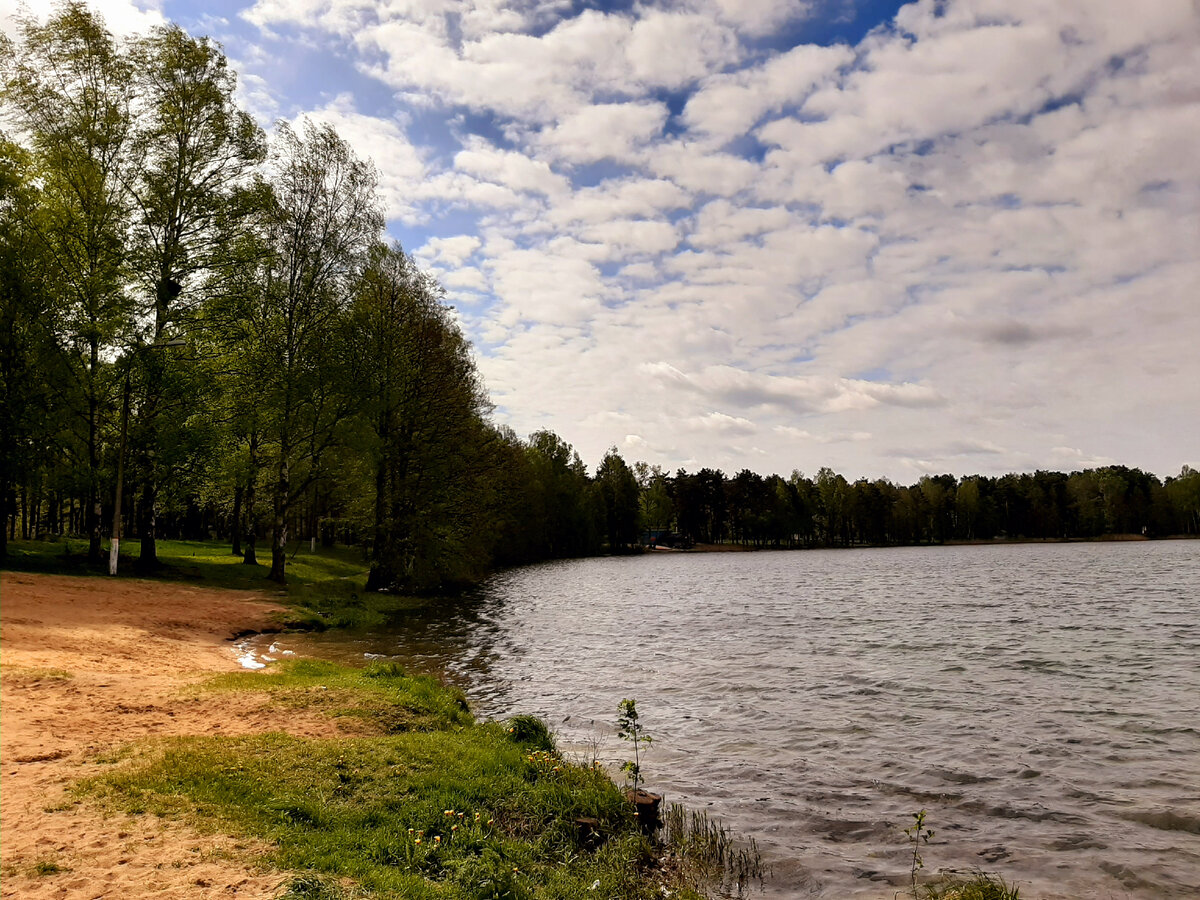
[203, 335]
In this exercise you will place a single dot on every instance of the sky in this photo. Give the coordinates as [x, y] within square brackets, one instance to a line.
[893, 239]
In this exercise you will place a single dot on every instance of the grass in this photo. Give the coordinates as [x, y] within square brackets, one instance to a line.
[979, 886]
[47, 866]
[433, 806]
[706, 854]
[326, 586]
[381, 695]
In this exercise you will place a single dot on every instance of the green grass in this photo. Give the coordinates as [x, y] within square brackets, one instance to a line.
[979, 886]
[454, 810]
[326, 586]
[381, 694]
[47, 866]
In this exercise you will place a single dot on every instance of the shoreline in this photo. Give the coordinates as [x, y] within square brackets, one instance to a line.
[124, 701]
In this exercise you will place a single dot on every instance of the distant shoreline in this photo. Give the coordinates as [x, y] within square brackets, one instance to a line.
[978, 542]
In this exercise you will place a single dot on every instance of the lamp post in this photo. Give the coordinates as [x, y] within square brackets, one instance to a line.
[115, 542]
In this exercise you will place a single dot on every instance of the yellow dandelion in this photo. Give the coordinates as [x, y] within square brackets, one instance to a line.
[437, 838]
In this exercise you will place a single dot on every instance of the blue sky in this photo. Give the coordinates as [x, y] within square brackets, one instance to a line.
[892, 239]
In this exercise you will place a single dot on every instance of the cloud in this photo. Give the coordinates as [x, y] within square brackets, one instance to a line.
[603, 131]
[729, 105]
[449, 251]
[511, 169]
[723, 424]
[970, 236]
[749, 390]
[121, 17]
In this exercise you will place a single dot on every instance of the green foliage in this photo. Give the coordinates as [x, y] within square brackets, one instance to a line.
[630, 729]
[312, 887]
[979, 886]
[530, 732]
[47, 866]
[917, 833]
[619, 494]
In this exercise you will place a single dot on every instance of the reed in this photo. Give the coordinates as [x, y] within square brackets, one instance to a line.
[708, 855]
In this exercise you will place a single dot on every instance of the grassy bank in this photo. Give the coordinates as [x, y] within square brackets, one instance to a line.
[427, 804]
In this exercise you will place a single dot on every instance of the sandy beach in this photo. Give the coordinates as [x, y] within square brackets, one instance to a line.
[89, 664]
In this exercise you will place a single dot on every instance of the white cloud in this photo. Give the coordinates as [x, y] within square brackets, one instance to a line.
[728, 105]
[517, 171]
[671, 50]
[603, 131]
[991, 197]
[449, 251]
[121, 17]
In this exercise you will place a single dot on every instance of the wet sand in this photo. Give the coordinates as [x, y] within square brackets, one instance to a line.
[133, 651]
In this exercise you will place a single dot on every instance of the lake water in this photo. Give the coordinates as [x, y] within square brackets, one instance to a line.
[1041, 702]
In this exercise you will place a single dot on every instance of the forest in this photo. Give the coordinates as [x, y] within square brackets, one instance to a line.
[206, 334]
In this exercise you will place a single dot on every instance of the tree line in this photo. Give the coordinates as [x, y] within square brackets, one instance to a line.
[204, 333]
[829, 511]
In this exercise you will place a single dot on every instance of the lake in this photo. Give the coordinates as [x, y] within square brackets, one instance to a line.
[1040, 701]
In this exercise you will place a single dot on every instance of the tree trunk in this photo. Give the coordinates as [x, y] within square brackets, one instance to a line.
[148, 558]
[250, 556]
[94, 507]
[236, 524]
[378, 577]
[279, 530]
[4, 518]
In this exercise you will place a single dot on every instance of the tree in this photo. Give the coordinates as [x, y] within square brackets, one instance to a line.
[654, 499]
[195, 150]
[31, 359]
[324, 218]
[423, 406]
[70, 87]
[563, 516]
[619, 494]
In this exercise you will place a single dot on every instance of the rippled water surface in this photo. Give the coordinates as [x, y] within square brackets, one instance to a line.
[1041, 702]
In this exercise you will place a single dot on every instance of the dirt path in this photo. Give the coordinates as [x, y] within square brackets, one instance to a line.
[91, 663]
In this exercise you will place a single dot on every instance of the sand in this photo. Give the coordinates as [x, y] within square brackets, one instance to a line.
[134, 651]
